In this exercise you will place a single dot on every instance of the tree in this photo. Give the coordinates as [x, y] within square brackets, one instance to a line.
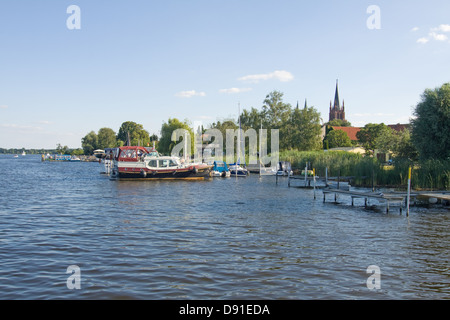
[106, 138]
[136, 132]
[60, 149]
[339, 123]
[166, 144]
[431, 128]
[250, 119]
[337, 138]
[302, 131]
[275, 113]
[368, 135]
[89, 143]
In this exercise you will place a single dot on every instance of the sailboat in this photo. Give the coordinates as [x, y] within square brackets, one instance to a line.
[236, 169]
[23, 153]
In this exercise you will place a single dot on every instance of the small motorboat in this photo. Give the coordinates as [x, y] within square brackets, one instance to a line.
[220, 169]
[238, 171]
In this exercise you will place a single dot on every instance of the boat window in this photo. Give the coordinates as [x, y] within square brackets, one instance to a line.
[153, 163]
[163, 163]
[172, 163]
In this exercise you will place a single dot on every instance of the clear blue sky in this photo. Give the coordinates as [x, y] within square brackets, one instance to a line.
[147, 61]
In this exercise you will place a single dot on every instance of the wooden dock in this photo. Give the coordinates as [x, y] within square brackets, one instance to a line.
[388, 198]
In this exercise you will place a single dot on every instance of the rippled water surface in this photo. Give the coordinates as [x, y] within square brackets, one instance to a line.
[236, 238]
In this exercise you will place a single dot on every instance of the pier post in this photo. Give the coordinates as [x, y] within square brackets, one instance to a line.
[409, 192]
[306, 174]
[289, 179]
[314, 177]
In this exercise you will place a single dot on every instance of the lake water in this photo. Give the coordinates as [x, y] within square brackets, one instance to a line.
[235, 238]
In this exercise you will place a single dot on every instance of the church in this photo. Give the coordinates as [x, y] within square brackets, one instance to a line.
[336, 112]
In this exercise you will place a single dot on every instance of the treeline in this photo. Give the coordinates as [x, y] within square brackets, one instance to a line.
[130, 133]
[28, 151]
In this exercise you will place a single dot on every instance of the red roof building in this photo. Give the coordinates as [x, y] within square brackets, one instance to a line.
[350, 131]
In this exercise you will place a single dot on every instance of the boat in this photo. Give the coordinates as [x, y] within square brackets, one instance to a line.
[284, 168]
[139, 163]
[220, 169]
[237, 170]
[24, 153]
[16, 156]
[74, 159]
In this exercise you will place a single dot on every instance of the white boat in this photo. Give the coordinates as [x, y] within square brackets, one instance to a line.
[16, 156]
[220, 169]
[284, 168]
[134, 162]
[23, 153]
[237, 170]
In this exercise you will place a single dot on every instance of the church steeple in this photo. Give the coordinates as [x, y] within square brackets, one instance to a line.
[336, 112]
[336, 97]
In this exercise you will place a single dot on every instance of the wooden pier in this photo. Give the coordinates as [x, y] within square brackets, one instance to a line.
[388, 198]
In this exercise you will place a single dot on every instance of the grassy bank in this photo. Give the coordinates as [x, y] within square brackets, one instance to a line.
[431, 175]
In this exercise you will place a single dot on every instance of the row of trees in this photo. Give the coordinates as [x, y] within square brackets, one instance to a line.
[300, 129]
[130, 133]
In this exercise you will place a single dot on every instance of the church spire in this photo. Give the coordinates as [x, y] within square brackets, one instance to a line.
[336, 97]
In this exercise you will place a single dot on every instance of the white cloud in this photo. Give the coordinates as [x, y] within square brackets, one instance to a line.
[190, 94]
[3, 107]
[442, 28]
[422, 40]
[283, 76]
[436, 34]
[415, 29]
[235, 90]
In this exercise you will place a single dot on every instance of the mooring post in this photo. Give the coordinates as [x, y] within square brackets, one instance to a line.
[289, 178]
[409, 191]
[339, 178]
[314, 177]
[306, 174]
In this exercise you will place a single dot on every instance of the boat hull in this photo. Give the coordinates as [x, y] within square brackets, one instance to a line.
[180, 174]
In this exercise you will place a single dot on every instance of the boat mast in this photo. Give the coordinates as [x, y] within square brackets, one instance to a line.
[238, 162]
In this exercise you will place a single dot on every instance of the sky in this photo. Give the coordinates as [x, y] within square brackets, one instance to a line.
[64, 73]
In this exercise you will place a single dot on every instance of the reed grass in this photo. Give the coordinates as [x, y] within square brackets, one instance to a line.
[365, 171]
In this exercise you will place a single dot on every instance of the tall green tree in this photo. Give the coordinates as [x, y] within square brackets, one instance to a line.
[89, 143]
[136, 132]
[106, 138]
[302, 131]
[275, 113]
[251, 119]
[368, 136]
[166, 144]
[431, 127]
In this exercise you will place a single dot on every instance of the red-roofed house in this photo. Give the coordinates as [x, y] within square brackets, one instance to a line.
[350, 131]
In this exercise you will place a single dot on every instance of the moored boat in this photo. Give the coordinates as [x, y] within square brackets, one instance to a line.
[284, 168]
[220, 169]
[134, 162]
[238, 171]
